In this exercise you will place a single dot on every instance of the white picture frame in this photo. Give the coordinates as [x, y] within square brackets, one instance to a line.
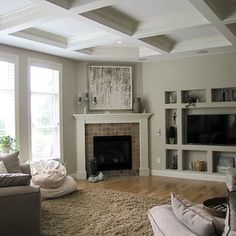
[111, 86]
[224, 163]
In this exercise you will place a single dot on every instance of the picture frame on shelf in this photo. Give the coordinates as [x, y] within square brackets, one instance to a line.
[112, 87]
[224, 163]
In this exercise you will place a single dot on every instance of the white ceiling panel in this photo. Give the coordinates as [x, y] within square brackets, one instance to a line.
[7, 6]
[119, 30]
[143, 10]
[68, 27]
[194, 32]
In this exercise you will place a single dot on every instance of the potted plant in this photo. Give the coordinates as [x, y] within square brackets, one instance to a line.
[172, 134]
[6, 143]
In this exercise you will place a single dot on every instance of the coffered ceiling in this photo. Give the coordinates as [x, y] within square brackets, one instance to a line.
[120, 30]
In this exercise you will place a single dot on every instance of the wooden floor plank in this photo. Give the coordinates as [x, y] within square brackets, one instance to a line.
[155, 186]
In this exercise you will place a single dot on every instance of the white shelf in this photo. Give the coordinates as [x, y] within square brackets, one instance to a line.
[171, 146]
[208, 147]
[190, 175]
[209, 103]
[201, 105]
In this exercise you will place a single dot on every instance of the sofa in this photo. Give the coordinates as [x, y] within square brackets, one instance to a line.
[184, 218]
[20, 203]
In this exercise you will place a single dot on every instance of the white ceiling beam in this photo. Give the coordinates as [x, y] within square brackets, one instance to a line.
[98, 21]
[113, 19]
[203, 43]
[122, 26]
[146, 52]
[61, 3]
[81, 6]
[23, 19]
[231, 19]
[91, 40]
[211, 16]
[42, 37]
[87, 51]
[162, 42]
[119, 51]
[170, 23]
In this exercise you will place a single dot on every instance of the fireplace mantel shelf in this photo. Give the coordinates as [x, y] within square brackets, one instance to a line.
[112, 117]
[83, 119]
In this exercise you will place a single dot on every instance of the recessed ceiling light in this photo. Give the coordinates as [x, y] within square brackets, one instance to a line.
[119, 42]
[202, 51]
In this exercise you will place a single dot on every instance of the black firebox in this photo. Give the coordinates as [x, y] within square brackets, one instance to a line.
[113, 152]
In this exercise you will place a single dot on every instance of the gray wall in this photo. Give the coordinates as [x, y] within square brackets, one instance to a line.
[69, 81]
[74, 79]
[188, 73]
[150, 80]
[82, 82]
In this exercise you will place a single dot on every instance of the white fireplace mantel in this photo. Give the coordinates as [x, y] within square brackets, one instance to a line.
[83, 119]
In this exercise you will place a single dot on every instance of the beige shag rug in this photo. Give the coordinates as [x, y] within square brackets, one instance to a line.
[96, 211]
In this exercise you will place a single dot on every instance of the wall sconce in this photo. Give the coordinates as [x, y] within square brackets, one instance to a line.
[94, 100]
[86, 98]
[86, 95]
[79, 98]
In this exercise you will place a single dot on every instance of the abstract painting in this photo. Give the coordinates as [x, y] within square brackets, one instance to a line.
[112, 87]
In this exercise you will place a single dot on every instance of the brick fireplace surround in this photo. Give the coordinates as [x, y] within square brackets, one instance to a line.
[131, 129]
[134, 124]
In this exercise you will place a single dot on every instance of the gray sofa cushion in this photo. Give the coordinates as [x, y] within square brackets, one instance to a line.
[165, 223]
[230, 221]
[14, 179]
[12, 162]
[193, 216]
[2, 168]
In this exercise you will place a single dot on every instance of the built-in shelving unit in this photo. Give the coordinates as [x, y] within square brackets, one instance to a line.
[180, 103]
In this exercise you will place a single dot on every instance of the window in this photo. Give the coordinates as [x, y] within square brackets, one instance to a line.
[45, 112]
[7, 98]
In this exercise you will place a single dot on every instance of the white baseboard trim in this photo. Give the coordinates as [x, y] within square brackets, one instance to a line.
[188, 175]
[144, 171]
[81, 175]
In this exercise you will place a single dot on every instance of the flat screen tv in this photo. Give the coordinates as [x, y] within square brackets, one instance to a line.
[213, 129]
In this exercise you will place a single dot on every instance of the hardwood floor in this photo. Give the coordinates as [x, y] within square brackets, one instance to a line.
[154, 186]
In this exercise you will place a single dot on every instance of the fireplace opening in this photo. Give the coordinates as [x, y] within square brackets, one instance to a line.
[113, 152]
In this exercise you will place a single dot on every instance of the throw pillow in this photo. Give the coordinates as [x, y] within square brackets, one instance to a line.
[14, 179]
[193, 216]
[12, 162]
[230, 221]
[231, 179]
[2, 168]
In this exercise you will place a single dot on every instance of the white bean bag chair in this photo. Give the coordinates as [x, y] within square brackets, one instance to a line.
[51, 176]
[67, 187]
[47, 173]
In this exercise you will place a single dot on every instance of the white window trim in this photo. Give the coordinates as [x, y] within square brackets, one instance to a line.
[11, 58]
[53, 66]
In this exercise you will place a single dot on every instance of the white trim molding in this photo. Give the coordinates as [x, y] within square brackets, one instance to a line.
[12, 58]
[82, 119]
[189, 175]
[53, 66]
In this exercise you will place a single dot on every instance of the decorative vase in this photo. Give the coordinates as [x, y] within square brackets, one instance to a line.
[199, 165]
[173, 162]
[137, 106]
[171, 140]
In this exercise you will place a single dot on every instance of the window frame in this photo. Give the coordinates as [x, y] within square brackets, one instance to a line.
[53, 66]
[11, 58]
